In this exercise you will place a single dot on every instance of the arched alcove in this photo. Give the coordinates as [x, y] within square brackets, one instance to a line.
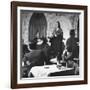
[37, 26]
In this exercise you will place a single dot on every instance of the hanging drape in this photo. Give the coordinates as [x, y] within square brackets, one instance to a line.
[37, 26]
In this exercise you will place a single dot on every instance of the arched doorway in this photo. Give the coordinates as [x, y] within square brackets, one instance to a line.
[37, 26]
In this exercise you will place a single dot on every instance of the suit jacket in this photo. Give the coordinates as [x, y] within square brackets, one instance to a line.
[35, 57]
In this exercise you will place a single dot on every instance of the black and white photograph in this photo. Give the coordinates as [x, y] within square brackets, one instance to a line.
[49, 44]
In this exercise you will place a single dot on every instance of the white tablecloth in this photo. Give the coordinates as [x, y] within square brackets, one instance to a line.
[44, 71]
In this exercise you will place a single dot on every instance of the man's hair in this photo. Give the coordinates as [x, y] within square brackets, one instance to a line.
[72, 32]
[32, 45]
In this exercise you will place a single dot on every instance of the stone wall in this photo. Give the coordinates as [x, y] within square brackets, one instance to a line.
[67, 21]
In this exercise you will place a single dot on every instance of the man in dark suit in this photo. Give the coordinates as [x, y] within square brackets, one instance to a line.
[72, 45]
[33, 58]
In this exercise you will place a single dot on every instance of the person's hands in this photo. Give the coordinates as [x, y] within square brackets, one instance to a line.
[27, 62]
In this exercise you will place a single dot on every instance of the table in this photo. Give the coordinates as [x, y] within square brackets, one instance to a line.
[46, 70]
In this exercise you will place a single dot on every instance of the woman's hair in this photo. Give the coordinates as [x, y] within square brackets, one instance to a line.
[59, 26]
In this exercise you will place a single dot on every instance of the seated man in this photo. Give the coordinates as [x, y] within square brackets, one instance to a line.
[33, 58]
[24, 49]
[72, 45]
[72, 51]
[43, 44]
